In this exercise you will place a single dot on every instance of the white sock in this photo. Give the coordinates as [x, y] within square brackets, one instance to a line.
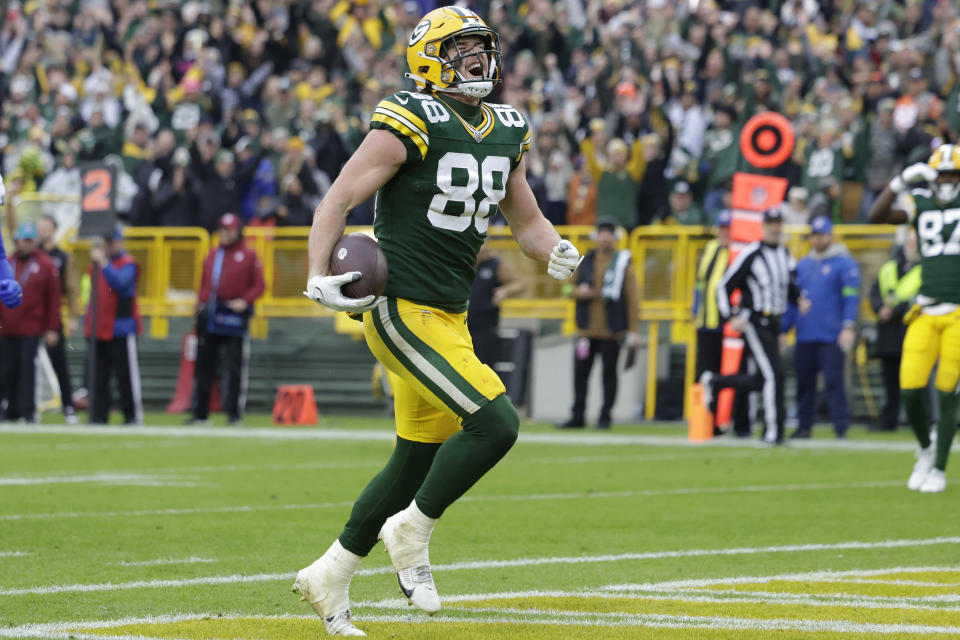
[345, 562]
[418, 519]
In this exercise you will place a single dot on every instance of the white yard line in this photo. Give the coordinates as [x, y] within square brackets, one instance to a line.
[165, 561]
[14, 554]
[493, 564]
[125, 479]
[371, 435]
[879, 484]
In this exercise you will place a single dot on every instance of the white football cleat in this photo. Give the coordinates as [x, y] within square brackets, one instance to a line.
[706, 382]
[921, 468]
[326, 586]
[406, 541]
[935, 482]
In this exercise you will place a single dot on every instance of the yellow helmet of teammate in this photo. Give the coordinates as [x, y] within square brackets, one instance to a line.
[946, 160]
[435, 59]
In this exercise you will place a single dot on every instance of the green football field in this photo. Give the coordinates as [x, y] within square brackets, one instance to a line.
[188, 532]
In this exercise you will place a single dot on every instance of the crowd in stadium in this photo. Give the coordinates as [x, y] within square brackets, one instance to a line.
[253, 108]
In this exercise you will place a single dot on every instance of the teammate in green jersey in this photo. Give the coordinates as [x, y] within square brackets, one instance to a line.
[930, 201]
[441, 162]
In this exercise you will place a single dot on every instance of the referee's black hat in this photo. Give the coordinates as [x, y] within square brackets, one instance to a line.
[773, 214]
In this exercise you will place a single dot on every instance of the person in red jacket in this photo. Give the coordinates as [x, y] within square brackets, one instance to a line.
[24, 327]
[118, 324]
[232, 281]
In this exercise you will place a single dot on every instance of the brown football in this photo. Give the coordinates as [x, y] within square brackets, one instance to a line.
[360, 252]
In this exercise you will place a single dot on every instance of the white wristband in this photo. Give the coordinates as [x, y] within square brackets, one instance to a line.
[897, 185]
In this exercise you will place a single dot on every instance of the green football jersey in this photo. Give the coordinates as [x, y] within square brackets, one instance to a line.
[938, 239]
[432, 216]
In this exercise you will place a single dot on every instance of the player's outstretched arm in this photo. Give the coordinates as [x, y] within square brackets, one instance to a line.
[378, 159]
[534, 233]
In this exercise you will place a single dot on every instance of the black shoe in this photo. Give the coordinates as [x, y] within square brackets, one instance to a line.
[603, 423]
[234, 421]
[572, 423]
[801, 434]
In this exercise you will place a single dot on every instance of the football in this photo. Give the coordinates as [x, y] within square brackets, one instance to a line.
[360, 252]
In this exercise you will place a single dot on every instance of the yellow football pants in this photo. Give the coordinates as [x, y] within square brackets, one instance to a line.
[438, 379]
[927, 338]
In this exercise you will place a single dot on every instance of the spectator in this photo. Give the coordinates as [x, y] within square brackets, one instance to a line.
[720, 156]
[880, 142]
[495, 282]
[607, 315]
[823, 169]
[293, 209]
[682, 208]
[24, 327]
[618, 178]
[232, 281]
[830, 278]
[69, 294]
[172, 204]
[216, 191]
[795, 208]
[64, 181]
[891, 296]
[115, 336]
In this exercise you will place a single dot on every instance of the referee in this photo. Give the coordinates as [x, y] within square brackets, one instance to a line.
[765, 273]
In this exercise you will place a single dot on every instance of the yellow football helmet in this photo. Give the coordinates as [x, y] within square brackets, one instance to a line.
[946, 160]
[434, 40]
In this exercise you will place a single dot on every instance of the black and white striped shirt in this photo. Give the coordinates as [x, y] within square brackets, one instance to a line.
[766, 276]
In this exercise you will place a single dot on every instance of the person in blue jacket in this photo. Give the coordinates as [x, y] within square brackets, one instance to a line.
[830, 278]
[11, 294]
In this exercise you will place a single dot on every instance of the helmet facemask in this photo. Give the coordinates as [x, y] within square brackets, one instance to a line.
[480, 82]
[947, 190]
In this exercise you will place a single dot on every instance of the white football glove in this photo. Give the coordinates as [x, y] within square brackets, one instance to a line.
[325, 290]
[914, 174]
[3, 191]
[564, 260]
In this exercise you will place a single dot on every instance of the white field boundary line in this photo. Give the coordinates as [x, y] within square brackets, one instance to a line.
[14, 554]
[372, 435]
[486, 564]
[167, 471]
[166, 561]
[119, 479]
[379, 462]
[879, 484]
[525, 616]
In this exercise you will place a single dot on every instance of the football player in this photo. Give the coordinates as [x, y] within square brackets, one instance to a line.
[11, 293]
[927, 195]
[441, 162]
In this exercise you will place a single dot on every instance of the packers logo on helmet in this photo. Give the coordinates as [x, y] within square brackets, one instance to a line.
[437, 56]
[946, 160]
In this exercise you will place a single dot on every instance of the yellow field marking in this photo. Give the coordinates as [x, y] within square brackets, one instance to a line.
[827, 587]
[733, 609]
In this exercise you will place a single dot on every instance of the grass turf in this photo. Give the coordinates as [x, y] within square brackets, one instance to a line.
[97, 526]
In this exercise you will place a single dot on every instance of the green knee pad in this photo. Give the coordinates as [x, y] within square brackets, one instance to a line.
[497, 421]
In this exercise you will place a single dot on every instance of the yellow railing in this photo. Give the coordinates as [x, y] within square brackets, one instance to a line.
[665, 257]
